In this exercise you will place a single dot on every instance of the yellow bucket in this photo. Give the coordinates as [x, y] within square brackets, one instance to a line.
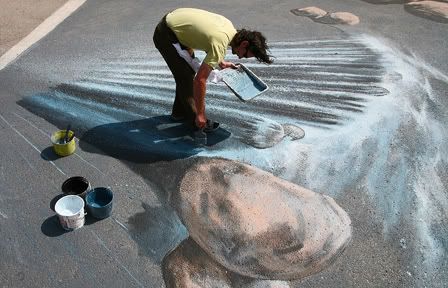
[61, 147]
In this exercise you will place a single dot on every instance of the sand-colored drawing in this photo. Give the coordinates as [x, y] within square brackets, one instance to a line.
[433, 10]
[436, 11]
[321, 16]
[258, 225]
[189, 266]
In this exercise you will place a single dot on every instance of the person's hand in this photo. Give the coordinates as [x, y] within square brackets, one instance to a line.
[200, 121]
[225, 64]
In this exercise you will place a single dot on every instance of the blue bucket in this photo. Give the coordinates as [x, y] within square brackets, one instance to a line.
[99, 202]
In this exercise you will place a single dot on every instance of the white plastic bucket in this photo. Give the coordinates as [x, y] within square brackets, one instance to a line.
[70, 210]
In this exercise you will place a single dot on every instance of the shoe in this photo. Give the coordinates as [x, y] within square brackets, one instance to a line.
[210, 126]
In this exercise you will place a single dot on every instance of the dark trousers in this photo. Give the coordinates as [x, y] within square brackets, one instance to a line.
[184, 105]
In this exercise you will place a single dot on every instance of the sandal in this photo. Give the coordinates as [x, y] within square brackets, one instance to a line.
[211, 126]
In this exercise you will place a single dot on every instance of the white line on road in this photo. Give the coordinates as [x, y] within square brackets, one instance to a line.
[101, 242]
[3, 215]
[32, 145]
[40, 31]
[48, 135]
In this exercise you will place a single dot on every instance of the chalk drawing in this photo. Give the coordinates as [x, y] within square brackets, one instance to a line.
[353, 98]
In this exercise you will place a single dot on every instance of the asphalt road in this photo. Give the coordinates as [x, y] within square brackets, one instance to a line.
[381, 153]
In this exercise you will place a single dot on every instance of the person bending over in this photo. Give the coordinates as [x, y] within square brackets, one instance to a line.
[196, 29]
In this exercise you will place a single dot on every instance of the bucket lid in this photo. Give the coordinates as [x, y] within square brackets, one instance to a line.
[69, 205]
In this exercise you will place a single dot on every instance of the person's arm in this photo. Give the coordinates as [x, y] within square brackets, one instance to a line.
[199, 88]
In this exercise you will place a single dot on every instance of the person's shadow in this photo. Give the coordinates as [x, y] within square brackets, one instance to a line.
[146, 141]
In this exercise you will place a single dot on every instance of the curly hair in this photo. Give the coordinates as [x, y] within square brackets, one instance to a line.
[257, 44]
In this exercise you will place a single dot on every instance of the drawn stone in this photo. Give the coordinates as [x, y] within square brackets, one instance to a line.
[261, 132]
[189, 266]
[256, 283]
[258, 225]
[436, 11]
[338, 18]
[387, 1]
[311, 12]
[293, 131]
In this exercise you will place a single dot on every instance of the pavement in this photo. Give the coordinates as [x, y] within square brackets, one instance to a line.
[371, 99]
[19, 18]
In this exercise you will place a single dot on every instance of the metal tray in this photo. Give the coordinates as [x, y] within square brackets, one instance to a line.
[243, 82]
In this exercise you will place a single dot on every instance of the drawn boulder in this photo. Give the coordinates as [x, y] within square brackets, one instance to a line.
[433, 10]
[189, 266]
[334, 18]
[258, 225]
[311, 12]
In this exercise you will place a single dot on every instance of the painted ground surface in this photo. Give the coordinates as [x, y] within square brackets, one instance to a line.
[375, 139]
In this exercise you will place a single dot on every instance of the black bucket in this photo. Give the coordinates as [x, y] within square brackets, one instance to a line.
[77, 185]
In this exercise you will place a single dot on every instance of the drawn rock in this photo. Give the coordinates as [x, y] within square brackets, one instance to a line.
[293, 131]
[436, 11]
[189, 266]
[311, 12]
[258, 225]
[254, 283]
[388, 1]
[338, 18]
[261, 133]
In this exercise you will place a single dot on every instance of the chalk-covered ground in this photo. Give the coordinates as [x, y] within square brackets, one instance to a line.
[374, 116]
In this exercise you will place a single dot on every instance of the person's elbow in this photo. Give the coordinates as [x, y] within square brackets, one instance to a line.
[202, 75]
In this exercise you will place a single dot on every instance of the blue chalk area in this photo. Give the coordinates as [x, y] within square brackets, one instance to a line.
[147, 140]
[118, 131]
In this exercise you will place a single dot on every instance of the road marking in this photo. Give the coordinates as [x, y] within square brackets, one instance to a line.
[110, 253]
[49, 135]
[32, 145]
[3, 215]
[40, 31]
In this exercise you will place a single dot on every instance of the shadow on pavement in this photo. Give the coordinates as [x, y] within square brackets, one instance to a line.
[51, 227]
[147, 141]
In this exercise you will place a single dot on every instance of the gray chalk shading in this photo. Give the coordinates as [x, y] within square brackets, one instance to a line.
[157, 230]
[322, 83]
[258, 225]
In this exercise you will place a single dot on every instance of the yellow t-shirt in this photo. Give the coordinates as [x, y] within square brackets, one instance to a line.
[202, 30]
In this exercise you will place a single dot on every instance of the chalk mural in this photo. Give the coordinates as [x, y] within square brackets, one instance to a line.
[353, 98]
